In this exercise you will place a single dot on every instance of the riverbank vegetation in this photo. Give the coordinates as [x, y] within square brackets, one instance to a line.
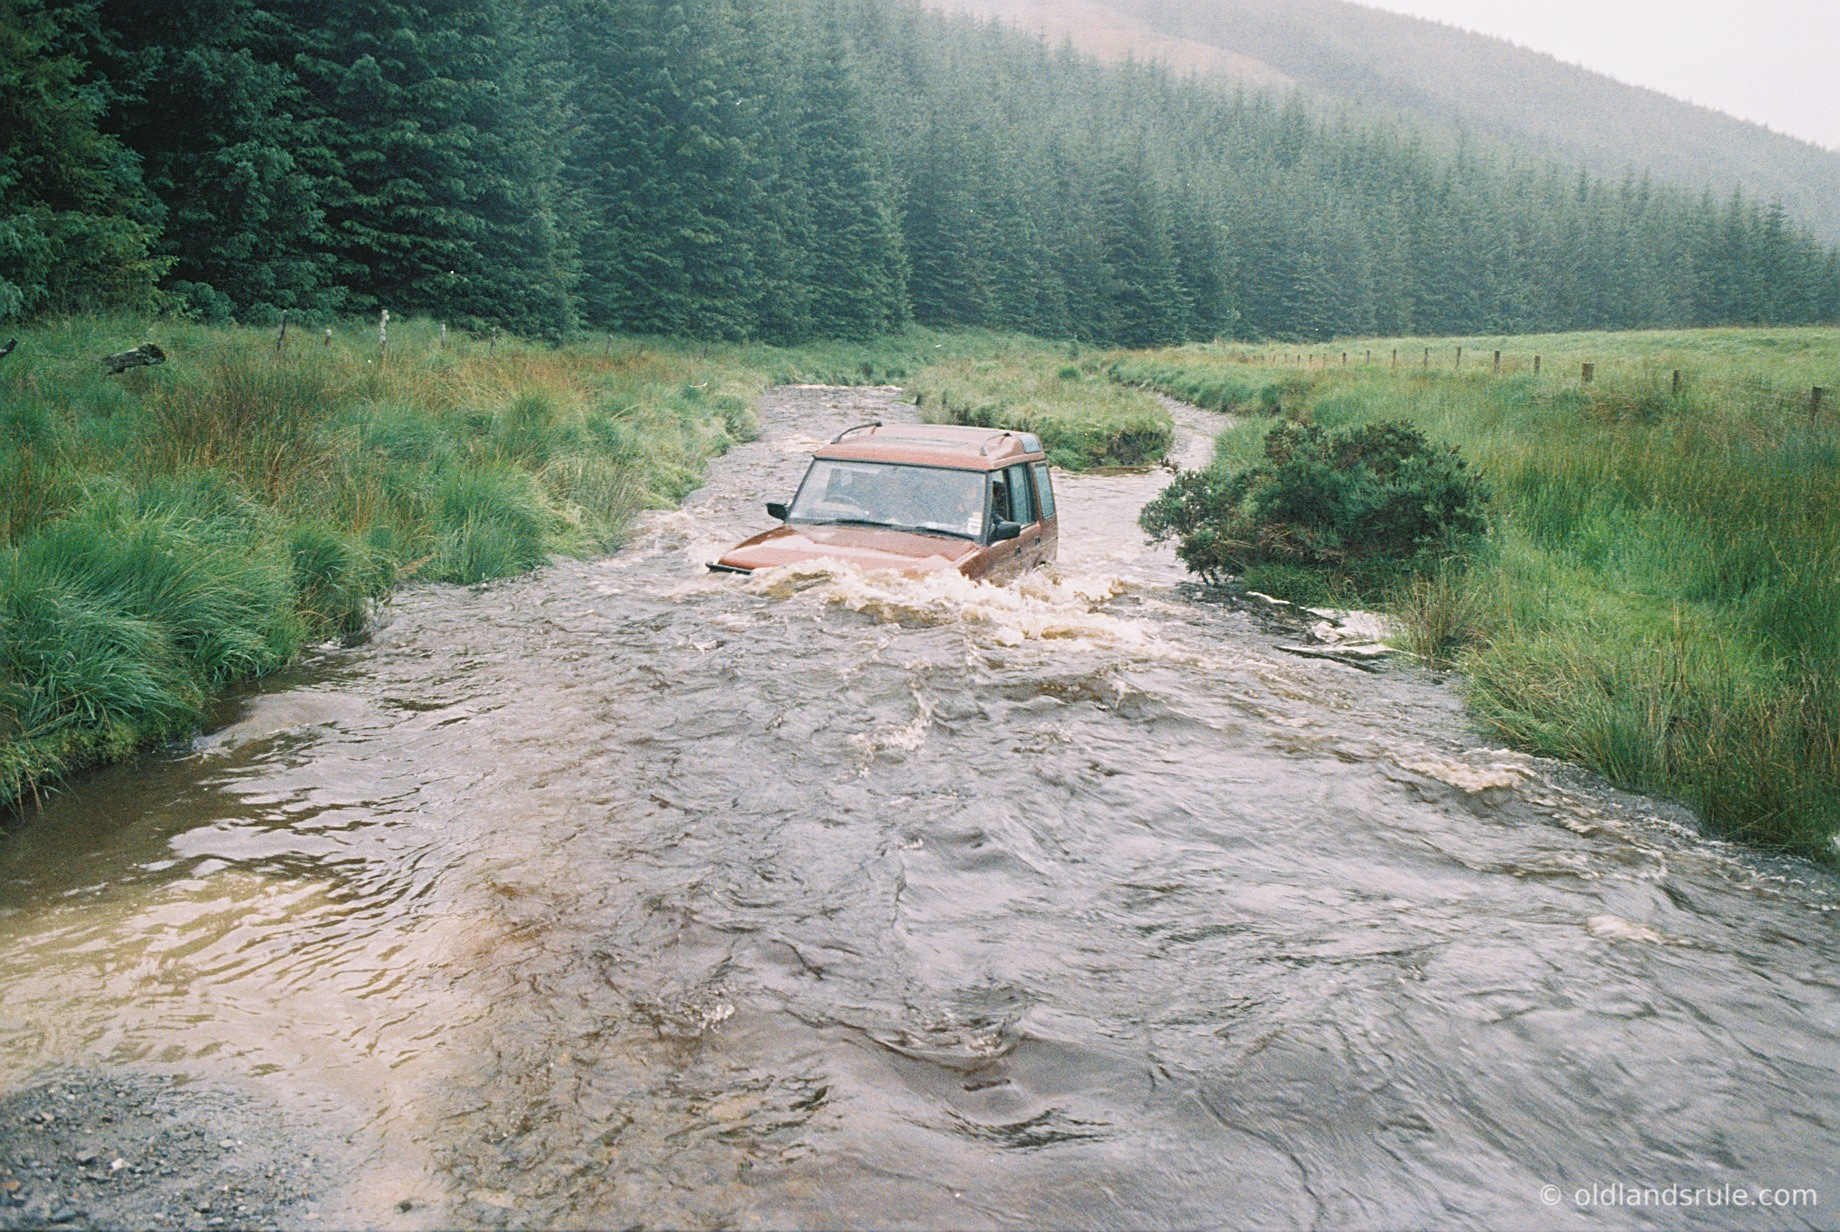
[1367, 508]
[1083, 419]
[166, 532]
[1659, 599]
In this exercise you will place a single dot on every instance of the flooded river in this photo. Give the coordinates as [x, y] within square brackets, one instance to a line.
[631, 895]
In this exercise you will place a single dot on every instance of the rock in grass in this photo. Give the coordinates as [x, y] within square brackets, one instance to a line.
[140, 357]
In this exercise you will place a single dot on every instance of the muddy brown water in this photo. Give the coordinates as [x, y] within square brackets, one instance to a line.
[626, 894]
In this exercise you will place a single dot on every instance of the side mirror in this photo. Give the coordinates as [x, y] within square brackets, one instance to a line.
[1005, 530]
[777, 510]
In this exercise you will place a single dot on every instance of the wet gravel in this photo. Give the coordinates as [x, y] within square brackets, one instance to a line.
[84, 1149]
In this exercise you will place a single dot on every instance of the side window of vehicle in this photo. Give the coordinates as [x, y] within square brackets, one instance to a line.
[1044, 489]
[1021, 500]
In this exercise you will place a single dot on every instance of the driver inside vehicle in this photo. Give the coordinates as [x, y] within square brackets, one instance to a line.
[1000, 510]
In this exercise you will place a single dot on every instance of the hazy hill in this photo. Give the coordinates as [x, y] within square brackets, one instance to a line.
[1449, 78]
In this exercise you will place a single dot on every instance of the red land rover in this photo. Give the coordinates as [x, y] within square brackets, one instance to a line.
[915, 498]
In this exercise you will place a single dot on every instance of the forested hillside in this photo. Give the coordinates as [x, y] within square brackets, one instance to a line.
[786, 170]
[1451, 82]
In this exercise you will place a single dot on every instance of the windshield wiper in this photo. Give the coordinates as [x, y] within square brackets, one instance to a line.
[901, 526]
[929, 528]
[846, 522]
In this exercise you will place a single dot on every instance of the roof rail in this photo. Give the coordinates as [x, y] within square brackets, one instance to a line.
[876, 423]
[984, 449]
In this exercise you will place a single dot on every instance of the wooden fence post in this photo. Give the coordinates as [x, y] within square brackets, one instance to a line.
[1677, 382]
[1344, 359]
[1427, 357]
[1395, 357]
[607, 347]
[1498, 363]
[1814, 402]
[281, 337]
[383, 333]
[1536, 365]
[444, 335]
[492, 346]
[1590, 373]
[1459, 357]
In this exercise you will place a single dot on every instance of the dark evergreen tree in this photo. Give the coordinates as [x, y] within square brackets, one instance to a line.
[1146, 303]
[212, 127]
[857, 275]
[947, 235]
[1201, 241]
[676, 201]
[76, 224]
[433, 186]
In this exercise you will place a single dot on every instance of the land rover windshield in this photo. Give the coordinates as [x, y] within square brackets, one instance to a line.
[896, 495]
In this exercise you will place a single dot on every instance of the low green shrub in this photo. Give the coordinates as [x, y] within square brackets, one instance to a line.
[1369, 504]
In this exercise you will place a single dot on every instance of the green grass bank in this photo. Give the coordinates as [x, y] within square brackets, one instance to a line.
[174, 529]
[1084, 420]
[1661, 597]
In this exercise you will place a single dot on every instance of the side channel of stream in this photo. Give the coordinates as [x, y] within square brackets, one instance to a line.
[630, 895]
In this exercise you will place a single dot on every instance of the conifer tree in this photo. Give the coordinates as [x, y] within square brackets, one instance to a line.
[1147, 304]
[857, 276]
[433, 196]
[212, 127]
[76, 224]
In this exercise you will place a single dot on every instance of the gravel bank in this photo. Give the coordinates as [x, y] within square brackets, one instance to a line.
[124, 1149]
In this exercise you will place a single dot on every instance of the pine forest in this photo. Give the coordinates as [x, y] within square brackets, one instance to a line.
[791, 170]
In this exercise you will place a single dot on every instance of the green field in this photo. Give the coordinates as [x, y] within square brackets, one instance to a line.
[1661, 599]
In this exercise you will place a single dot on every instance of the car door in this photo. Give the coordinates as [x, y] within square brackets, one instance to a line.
[1045, 512]
[1013, 500]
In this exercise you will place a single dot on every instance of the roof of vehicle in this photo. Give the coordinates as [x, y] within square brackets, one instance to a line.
[981, 449]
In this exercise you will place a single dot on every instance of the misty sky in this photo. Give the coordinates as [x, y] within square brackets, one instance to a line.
[1773, 61]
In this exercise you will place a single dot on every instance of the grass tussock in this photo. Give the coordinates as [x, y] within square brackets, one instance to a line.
[1661, 600]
